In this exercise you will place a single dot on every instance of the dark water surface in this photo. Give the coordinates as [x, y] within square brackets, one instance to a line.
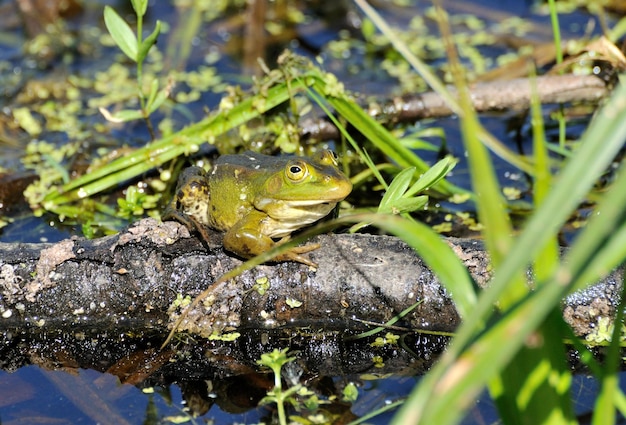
[36, 394]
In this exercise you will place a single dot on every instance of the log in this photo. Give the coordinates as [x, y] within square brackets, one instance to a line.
[501, 95]
[131, 279]
[125, 285]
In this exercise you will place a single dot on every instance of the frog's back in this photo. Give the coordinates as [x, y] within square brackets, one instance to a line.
[231, 185]
[251, 160]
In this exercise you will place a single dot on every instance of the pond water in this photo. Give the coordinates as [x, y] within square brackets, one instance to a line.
[43, 391]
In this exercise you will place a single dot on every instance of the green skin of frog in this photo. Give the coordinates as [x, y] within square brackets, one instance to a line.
[255, 199]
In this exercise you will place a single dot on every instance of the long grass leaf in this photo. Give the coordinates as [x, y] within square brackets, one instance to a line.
[457, 371]
[185, 141]
[435, 83]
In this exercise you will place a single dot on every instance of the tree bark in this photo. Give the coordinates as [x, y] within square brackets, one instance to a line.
[130, 280]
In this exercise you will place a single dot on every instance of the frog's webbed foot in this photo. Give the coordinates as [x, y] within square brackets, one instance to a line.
[248, 242]
[204, 233]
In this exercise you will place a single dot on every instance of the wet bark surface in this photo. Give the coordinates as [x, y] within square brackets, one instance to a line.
[94, 303]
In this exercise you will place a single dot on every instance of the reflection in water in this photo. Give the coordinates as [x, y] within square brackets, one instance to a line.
[35, 395]
[103, 380]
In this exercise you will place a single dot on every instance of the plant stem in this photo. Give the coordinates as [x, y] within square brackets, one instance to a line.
[140, 58]
[278, 394]
[554, 19]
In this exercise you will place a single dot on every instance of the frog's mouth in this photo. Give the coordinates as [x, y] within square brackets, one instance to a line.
[285, 217]
[300, 208]
[271, 204]
[308, 202]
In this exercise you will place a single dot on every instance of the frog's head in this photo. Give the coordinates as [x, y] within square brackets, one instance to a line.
[304, 189]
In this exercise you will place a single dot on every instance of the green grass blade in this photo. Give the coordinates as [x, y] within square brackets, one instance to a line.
[464, 369]
[185, 141]
[601, 256]
[598, 147]
[435, 83]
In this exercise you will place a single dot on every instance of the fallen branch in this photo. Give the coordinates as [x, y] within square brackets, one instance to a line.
[130, 281]
[492, 96]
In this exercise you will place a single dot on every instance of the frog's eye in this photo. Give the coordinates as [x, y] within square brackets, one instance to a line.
[296, 171]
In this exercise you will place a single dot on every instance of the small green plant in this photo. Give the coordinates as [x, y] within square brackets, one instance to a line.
[604, 331]
[136, 48]
[136, 203]
[275, 361]
[350, 392]
[298, 396]
[388, 339]
[401, 197]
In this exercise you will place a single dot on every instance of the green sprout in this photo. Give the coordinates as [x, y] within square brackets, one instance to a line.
[136, 48]
[136, 203]
[604, 331]
[401, 198]
[388, 339]
[350, 392]
[261, 285]
[275, 361]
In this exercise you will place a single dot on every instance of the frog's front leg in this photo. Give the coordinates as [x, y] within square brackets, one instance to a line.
[246, 240]
[190, 223]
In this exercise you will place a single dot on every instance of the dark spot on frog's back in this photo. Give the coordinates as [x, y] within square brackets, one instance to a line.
[197, 186]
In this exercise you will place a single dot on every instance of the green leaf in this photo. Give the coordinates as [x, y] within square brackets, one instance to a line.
[121, 33]
[397, 188]
[404, 205]
[434, 174]
[367, 29]
[140, 6]
[149, 42]
[350, 392]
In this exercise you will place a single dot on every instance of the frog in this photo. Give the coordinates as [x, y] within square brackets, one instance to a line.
[257, 201]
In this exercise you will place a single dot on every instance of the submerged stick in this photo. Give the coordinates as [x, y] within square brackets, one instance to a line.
[495, 96]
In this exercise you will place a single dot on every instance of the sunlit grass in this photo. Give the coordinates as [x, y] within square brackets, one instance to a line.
[530, 384]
